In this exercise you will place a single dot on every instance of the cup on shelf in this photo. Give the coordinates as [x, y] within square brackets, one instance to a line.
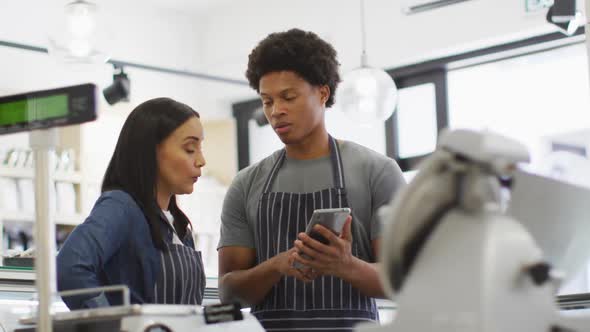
[12, 157]
[3, 155]
[65, 198]
[65, 161]
[27, 159]
[8, 195]
[26, 196]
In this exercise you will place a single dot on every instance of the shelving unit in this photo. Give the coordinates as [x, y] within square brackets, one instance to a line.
[74, 178]
[70, 138]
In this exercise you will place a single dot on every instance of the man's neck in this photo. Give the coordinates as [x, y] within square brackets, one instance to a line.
[313, 146]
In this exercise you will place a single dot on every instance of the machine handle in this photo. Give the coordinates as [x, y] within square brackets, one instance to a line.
[123, 288]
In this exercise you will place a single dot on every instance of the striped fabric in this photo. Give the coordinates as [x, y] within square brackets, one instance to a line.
[182, 278]
[326, 304]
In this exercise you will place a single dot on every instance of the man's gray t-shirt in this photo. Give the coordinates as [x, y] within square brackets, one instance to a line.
[370, 179]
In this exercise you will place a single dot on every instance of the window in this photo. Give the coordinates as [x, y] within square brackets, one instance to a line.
[421, 113]
[530, 98]
[416, 116]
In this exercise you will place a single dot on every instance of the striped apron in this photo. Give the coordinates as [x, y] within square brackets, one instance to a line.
[326, 304]
[182, 276]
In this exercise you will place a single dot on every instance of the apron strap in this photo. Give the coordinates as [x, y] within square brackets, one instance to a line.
[337, 168]
[273, 173]
[336, 161]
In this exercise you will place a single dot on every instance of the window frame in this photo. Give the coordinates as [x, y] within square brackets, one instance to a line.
[438, 77]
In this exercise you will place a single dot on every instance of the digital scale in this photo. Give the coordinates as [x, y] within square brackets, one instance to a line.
[47, 109]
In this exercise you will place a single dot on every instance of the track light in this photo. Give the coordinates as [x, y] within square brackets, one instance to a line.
[119, 90]
[564, 15]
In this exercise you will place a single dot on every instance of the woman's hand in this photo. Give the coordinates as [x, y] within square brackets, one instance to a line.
[334, 259]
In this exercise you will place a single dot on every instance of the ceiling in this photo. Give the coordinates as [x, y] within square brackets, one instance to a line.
[190, 7]
[196, 6]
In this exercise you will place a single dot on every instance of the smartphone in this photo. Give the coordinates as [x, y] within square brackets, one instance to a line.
[332, 219]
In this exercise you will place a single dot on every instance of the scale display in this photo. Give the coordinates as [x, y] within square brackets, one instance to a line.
[47, 108]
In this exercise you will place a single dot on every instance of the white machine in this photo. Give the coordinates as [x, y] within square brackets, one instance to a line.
[457, 261]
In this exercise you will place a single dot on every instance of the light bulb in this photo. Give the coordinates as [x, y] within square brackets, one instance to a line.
[367, 95]
[73, 34]
[80, 15]
[366, 86]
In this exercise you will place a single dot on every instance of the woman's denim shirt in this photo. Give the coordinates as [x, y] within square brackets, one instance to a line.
[112, 247]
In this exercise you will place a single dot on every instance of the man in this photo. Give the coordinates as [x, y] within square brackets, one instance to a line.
[269, 204]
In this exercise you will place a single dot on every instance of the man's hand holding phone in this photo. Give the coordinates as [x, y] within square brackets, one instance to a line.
[284, 265]
[326, 245]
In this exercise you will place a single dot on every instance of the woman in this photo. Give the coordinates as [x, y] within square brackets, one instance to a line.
[136, 235]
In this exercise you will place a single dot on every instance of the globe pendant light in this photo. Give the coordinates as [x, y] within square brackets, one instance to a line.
[367, 95]
[74, 35]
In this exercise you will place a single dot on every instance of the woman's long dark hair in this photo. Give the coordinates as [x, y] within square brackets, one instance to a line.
[134, 167]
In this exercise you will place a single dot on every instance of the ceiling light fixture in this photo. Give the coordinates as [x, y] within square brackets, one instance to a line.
[367, 95]
[73, 42]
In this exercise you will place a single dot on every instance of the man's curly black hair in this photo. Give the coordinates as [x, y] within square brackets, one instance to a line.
[299, 51]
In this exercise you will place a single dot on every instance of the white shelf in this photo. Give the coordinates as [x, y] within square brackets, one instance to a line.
[17, 281]
[27, 173]
[30, 217]
[73, 177]
[15, 274]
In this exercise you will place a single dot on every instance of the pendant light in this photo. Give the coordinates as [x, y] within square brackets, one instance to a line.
[73, 42]
[367, 95]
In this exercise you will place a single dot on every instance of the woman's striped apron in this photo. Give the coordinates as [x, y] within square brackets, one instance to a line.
[182, 276]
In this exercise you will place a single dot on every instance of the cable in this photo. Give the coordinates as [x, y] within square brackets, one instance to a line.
[364, 60]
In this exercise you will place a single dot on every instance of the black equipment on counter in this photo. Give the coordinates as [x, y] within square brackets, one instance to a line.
[218, 313]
